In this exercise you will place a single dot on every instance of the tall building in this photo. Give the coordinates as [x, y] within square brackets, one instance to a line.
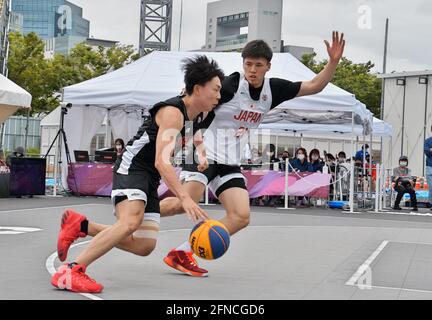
[231, 24]
[4, 29]
[51, 18]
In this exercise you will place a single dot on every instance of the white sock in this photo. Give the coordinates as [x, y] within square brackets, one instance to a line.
[185, 247]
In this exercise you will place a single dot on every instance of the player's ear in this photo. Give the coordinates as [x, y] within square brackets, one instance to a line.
[197, 89]
[268, 66]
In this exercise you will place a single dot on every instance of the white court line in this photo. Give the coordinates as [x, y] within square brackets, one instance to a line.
[49, 264]
[366, 264]
[59, 207]
[401, 289]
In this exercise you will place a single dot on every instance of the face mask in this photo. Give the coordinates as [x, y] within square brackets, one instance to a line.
[118, 147]
[403, 163]
[269, 154]
[315, 157]
[300, 156]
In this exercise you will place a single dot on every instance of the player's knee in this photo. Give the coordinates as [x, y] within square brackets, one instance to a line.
[146, 250]
[241, 218]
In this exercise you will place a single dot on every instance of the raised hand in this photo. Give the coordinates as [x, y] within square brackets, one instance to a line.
[336, 49]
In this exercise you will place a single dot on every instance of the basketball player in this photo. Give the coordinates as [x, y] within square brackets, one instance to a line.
[245, 99]
[136, 178]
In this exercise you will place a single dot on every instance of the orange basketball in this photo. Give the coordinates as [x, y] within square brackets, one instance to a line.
[209, 239]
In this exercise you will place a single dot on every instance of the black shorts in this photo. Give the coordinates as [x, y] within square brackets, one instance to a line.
[219, 177]
[136, 187]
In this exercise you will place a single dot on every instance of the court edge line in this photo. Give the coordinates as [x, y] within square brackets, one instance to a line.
[366, 264]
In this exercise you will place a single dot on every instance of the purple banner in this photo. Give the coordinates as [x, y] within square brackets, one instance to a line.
[96, 180]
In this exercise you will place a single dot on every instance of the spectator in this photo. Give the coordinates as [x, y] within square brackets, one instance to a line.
[300, 163]
[269, 157]
[119, 146]
[359, 154]
[341, 157]
[256, 159]
[18, 153]
[428, 153]
[285, 155]
[404, 183]
[315, 165]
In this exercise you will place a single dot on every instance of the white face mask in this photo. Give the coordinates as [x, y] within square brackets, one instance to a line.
[403, 163]
[341, 159]
[118, 147]
[314, 157]
[300, 156]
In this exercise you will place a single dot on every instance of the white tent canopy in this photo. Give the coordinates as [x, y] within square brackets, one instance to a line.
[12, 97]
[157, 76]
[380, 128]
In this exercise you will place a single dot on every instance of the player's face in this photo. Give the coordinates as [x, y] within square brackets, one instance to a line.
[209, 94]
[255, 70]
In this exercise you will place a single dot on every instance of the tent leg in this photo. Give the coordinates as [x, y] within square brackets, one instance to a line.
[351, 194]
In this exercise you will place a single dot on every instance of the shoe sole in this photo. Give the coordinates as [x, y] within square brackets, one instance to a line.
[178, 267]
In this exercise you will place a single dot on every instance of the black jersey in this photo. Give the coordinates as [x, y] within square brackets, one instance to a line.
[139, 155]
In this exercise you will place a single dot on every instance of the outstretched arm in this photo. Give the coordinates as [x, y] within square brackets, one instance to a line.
[321, 80]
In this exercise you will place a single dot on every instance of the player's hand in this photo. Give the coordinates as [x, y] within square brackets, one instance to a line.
[203, 163]
[336, 49]
[193, 210]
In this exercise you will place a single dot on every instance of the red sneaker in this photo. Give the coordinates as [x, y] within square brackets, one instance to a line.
[75, 280]
[184, 261]
[69, 232]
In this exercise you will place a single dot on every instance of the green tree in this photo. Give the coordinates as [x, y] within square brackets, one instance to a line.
[355, 78]
[27, 67]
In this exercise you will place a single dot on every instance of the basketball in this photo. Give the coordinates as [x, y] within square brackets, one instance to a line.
[209, 239]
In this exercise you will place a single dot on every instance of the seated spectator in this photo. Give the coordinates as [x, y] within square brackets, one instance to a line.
[404, 183]
[119, 146]
[315, 164]
[256, 158]
[17, 153]
[269, 159]
[285, 155]
[300, 163]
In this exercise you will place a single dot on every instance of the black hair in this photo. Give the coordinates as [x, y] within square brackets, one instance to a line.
[199, 70]
[342, 154]
[119, 140]
[257, 49]
[314, 151]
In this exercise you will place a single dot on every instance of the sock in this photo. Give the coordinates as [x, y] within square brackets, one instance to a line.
[84, 226]
[185, 247]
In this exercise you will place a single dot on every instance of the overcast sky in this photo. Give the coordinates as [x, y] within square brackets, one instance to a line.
[305, 23]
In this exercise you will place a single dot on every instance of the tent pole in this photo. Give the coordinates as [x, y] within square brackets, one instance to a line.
[351, 195]
[26, 131]
[108, 131]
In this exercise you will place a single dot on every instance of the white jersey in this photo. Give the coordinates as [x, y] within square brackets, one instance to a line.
[227, 135]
